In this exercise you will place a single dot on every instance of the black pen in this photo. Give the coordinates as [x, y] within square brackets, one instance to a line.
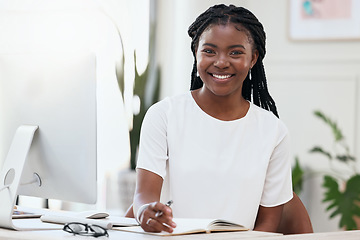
[159, 213]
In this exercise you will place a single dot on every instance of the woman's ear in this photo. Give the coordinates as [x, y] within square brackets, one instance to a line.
[255, 56]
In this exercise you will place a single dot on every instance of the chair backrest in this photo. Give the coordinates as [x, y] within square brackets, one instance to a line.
[295, 218]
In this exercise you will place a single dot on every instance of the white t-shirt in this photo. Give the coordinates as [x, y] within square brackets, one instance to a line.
[215, 168]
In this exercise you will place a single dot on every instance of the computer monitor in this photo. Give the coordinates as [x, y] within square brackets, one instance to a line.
[55, 95]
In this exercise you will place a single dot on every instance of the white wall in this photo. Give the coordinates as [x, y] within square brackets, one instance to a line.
[302, 76]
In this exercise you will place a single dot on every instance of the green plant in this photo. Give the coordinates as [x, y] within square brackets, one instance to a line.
[297, 176]
[147, 88]
[342, 193]
[140, 87]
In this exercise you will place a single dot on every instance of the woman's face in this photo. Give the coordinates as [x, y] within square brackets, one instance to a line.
[224, 56]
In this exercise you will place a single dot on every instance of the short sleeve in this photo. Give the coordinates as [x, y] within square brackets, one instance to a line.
[278, 183]
[152, 155]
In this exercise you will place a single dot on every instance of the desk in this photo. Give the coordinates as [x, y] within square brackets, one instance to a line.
[59, 234]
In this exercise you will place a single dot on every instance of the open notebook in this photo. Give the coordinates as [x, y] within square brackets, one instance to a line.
[189, 226]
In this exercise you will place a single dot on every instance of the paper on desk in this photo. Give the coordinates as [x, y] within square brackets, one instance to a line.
[107, 223]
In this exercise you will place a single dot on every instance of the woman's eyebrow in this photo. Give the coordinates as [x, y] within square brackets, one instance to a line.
[237, 46]
[210, 45]
[230, 47]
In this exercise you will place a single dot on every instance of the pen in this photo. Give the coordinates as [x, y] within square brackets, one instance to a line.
[159, 213]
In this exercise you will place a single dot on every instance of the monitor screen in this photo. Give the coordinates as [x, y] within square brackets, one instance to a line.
[57, 93]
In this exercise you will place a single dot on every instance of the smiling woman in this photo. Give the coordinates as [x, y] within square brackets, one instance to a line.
[214, 140]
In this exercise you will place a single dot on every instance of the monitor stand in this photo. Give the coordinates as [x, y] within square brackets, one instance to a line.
[10, 177]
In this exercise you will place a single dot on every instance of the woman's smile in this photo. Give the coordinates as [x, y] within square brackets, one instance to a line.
[221, 77]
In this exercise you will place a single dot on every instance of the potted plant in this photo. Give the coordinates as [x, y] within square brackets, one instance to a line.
[127, 178]
[342, 193]
[140, 90]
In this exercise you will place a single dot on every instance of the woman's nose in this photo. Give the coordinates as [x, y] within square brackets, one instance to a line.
[221, 62]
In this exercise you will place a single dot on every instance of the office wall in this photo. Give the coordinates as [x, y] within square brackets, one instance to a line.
[303, 76]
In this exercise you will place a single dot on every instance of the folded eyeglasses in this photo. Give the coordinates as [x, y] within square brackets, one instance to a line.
[82, 229]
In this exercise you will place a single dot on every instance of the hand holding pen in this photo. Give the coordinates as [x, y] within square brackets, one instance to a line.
[168, 204]
[158, 217]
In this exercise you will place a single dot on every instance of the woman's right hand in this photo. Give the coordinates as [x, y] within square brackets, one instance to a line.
[147, 205]
[157, 217]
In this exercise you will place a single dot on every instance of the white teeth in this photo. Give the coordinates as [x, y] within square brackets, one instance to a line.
[221, 76]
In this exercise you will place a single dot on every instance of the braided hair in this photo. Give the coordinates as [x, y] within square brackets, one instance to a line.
[222, 14]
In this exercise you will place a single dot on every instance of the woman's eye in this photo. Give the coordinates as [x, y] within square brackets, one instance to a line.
[208, 51]
[235, 53]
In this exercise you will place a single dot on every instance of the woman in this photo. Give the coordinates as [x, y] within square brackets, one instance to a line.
[221, 146]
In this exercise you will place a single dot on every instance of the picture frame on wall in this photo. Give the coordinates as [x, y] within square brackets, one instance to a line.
[324, 19]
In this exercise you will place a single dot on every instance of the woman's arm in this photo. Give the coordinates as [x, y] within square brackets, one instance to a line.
[278, 184]
[268, 218]
[148, 190]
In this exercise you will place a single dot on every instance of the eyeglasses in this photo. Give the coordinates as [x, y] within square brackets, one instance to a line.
[85, 229]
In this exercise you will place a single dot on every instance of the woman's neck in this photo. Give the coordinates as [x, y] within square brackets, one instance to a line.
[226, 108]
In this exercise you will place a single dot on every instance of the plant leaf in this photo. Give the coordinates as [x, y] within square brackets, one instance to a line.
[332, 124]
[297, 176]
[345, 158]
[318, 149]
[345, 204]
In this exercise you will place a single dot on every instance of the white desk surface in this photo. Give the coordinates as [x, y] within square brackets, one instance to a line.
[113, 234]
